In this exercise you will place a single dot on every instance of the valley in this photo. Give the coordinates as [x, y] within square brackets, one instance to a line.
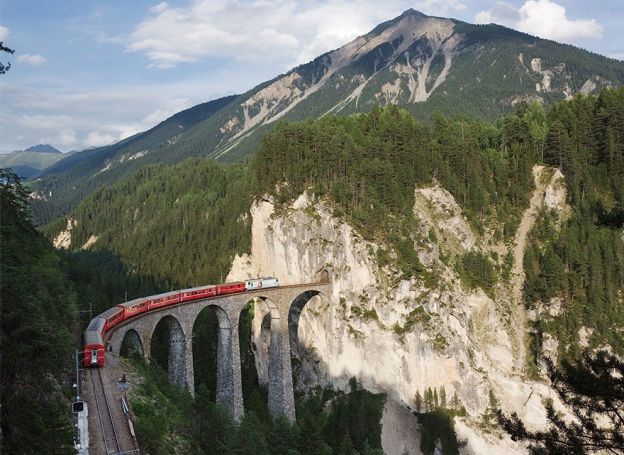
[448, 196]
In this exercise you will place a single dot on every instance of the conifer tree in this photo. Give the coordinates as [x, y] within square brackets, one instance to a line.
[593, 391]
[418, 402]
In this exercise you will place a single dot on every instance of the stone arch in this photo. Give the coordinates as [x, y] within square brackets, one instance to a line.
[294, 313]
[265, 324]
[131, 344]
[279, 376]
[177, 350]
[228, 391]
[323, 275]
[297, 350]
[219, 322]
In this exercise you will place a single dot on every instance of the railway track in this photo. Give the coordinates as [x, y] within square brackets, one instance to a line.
[112, 443]
[112, 425]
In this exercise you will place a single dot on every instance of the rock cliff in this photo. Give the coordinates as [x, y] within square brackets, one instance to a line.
[404, 336]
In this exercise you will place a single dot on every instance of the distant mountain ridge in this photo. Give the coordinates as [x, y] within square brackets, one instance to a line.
[43, 148]
[30, 162]
[421, 63]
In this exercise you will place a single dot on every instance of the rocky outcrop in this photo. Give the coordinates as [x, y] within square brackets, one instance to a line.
[401, 336]
[63, 239]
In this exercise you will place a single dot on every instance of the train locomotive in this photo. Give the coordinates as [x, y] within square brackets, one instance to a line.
[94, 335]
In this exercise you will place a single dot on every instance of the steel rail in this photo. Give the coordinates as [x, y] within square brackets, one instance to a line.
[100, 416]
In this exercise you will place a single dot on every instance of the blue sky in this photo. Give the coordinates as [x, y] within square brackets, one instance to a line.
[90, 72]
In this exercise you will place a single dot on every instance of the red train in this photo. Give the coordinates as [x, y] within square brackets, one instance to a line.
[99, 325]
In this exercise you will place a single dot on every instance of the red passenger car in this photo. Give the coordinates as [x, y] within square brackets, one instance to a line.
[198, 293]
[162, 300]
[230, 288]
[134, 307]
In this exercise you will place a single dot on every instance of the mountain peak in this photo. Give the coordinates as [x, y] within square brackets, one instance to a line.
[411, 12]
[42, 148]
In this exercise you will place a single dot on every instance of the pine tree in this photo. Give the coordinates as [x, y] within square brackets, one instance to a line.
[593, 390]
[418, 402]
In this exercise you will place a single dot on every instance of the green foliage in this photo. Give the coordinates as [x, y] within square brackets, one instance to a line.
[438, 428]
[369, 164]
[205, 345]
[436, 418]
[254, 396]
[4, 68]
[169, 421]
[417, 316]
[38, 317]
[476, 271]
[592, 390]
[161, 411]
[100, 277]
[177, 226]
[583, 263]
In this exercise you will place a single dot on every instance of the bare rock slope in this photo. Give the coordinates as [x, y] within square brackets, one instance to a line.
[402, 337]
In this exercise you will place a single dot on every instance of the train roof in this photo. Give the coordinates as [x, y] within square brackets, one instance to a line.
[208, 286]
[96, 324]
[164, 294]
[134, 302]
[92, 337]
[110, 312]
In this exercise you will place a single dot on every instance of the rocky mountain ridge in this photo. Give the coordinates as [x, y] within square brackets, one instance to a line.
[421, 63]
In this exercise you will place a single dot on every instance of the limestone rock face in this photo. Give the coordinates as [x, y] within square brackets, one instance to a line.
[398, 336]
[63, 239]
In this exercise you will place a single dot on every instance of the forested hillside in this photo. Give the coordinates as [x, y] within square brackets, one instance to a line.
[63, 185]
[369, 164]
[183, 224]
[583, 264]
[38, 322]
[179, 225]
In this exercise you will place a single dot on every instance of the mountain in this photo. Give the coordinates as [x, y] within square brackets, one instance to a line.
[461, 253]
[68, 181]
[42, 148]
[30, 162]
[422, 63]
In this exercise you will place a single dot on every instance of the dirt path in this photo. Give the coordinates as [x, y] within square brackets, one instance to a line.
[520, 243]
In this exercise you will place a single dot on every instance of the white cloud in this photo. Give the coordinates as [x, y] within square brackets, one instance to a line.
[4, 32]
[543, 18]
[98, 139]
[159, 8]
[66, 138]
[280, 31]
[32, 59]
[73, 119]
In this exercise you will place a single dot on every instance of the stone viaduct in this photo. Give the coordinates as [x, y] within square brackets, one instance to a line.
[283, 304]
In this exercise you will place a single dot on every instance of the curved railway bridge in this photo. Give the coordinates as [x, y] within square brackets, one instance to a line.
[282, 305]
